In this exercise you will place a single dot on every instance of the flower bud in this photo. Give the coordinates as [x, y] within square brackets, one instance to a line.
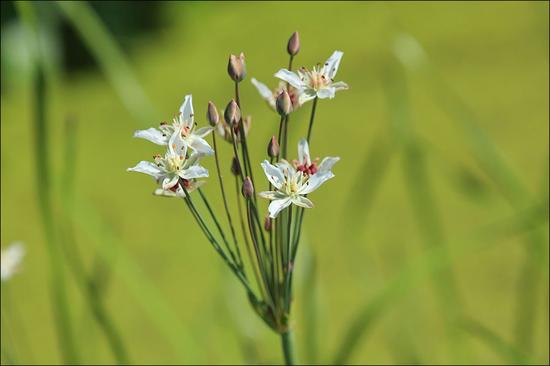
[235, 167]
[212, 114]
[267, 224]
[236, 68]
[273, 148]
[283, 103]
[232, 113]
[248, 188]
[293, 46]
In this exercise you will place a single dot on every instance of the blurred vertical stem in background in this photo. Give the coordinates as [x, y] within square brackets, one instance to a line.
[411, 54]
[92, 285]
[424, 204]
[43, 184]
[110, 58]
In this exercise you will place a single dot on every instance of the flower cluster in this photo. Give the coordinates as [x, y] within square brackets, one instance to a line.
[271, 244]
[178, 170]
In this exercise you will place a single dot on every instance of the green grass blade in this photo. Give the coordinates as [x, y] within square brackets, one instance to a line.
[110, 58]
[310, 310]
[510, 185]
[424, 205]
[508, 352]
[60, 304]
[143, 290]
[91, 285]
[425, 267]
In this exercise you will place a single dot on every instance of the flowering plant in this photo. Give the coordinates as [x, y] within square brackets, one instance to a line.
[271, 243]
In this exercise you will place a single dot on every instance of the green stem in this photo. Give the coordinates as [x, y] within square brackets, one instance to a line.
[215, 244]
[218, 226]
[311, 119]
[244, 145]
[225, 205]
[288, 348]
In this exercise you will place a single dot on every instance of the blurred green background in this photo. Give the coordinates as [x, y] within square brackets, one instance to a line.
[430, 246]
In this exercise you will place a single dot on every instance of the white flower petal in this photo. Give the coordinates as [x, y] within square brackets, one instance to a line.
[277, 206]
[170, 181]
[273, 174]
[203, 131]
[327, 164]
[314, 182]
[270, 195]
[290, 78]
[149, 168]
[326, 93]
[153, 135]
[302, 202]
[331, 66]
[303, 152]
[186, 110]
[201, 146]
[306, 95]
[285, 165]
[169, 193]
[265, 92]
[195, 171]
[339, 85]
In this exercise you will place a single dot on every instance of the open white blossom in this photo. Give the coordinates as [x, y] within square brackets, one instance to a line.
[270, 96]
[317, 83]
[172, 171]
[10, 260]
[292, 182]
[181, 133]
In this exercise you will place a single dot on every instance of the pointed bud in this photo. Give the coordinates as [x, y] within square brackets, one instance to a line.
[248, 188]
[236, 67]
[212, 114]
[235, 167]
[267, 224]
[283, 103]
[293, 46]
[273, 148]
[232, 113]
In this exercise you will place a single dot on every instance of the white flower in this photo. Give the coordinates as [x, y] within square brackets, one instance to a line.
[10, 260]
[317, 83]
[270, 96]
[173, 171]
[293, 181]
[181, 133]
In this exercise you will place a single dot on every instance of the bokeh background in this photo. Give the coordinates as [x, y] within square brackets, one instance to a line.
[430, 246]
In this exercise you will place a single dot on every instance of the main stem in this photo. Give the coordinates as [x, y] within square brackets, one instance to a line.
[288, 348]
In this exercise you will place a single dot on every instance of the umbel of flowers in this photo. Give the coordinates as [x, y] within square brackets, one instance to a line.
[258, 240]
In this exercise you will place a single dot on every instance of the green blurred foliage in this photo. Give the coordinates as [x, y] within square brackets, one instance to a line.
[432, 242]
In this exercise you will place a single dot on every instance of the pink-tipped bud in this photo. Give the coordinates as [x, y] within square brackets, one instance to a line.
[248, 188]
[293, 46]
[283, 103]
[268, 224]
[236, 68]
[273, 148]
[235, 167]
[212, 114]
[232, 113]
